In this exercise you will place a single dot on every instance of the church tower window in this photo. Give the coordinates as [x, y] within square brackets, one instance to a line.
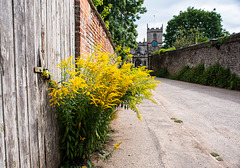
[154, 36]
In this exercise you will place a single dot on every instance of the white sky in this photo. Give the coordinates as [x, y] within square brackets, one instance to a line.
[165, 9]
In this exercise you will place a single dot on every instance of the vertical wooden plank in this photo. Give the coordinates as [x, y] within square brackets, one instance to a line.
[43, 6]
[51, 137]
[42, 89]
[72, 28]
[48, 56]
[64, 18]
[57, 56]
[32, 83]
[67, 37]
[2, 142]
[9, 85]
[41, 83]
[48, 22]
[49, 36]
[66, 27]
[54, 38]
[21, 85]
[62, 35]
[58, 39]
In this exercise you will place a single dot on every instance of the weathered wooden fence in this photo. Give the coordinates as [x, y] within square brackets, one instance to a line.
[33, 33]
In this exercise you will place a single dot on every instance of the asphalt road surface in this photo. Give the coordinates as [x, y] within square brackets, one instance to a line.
[210, 123]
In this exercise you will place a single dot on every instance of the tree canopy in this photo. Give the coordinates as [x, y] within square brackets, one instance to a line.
[208, 24]
[185, 38]
[119, 16]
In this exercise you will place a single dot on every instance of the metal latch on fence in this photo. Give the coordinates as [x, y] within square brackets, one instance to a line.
[45, 73]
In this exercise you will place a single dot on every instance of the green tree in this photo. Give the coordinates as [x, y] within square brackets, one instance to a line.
[186, 38]
[209, 24]
[120, 18]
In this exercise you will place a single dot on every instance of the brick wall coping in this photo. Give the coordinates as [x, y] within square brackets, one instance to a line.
[102, 22]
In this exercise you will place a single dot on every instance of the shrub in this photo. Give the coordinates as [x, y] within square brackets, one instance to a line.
[214, 75]
[86, 99]
[162, 72]
[163, 50]
[234, 82]
[220, 41]
[181, 74]
[195, 74]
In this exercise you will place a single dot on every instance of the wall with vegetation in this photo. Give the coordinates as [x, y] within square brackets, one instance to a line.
[225, 51]
[90, 29]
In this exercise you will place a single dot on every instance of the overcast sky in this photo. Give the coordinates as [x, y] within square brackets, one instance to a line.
[164, 10]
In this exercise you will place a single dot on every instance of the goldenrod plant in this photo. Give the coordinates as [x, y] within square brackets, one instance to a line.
[86, 98]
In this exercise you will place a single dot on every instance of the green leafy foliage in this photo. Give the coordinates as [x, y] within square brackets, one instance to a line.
[120, 18]
[185, 38]
[217, 156]
[214, 75]
[180, 75]
[162, 72]
[97, 2]
[220, 41]
[188, 74]
[176, 120]
[163, 50]
[209, 24]
[86, 98]
[214, 154]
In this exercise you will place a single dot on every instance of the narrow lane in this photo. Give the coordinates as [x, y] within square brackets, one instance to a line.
[211, 123]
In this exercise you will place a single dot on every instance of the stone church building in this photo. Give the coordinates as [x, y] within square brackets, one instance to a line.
[146, 48]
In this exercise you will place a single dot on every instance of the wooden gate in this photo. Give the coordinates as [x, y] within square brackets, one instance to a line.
[33, 33]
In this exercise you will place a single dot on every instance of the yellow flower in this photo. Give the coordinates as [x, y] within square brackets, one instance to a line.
[116, 146]
[79, 125]
[82, 139]
[101, 80]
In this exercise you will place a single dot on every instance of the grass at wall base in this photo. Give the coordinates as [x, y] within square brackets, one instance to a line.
[86, 97]
[214, 75]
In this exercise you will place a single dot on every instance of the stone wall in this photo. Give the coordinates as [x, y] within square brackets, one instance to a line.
[227, 54]
[90, 29]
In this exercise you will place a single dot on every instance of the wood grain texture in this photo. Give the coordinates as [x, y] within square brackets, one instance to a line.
[9, 85]
[2, 142]
[72, 27]
[42, 87]
[33, 33]
[21, 84]
[40, 83]
[32, 82]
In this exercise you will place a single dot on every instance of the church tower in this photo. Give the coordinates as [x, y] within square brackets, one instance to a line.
[154, 39]
[146, 48]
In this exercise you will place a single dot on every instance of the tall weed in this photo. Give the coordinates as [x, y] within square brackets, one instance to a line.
[86, 99]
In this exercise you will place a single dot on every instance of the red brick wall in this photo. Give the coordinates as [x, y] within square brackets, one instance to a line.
[90, 29]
